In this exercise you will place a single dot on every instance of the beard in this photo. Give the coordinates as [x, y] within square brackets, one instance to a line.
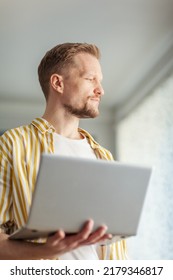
[84, 112]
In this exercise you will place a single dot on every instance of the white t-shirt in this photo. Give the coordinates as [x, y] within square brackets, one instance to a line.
[70, 147]
[78, 148]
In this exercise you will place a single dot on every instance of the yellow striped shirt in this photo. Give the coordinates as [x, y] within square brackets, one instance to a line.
[20, 151]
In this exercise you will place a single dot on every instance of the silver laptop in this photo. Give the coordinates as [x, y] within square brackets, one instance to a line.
[71, 190]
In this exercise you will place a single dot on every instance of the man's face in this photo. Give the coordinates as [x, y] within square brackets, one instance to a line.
[82, 87]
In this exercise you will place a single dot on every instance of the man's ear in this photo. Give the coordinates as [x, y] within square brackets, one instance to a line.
[56, 81]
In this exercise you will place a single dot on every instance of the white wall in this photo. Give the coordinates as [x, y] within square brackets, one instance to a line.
[145, 136]
[16, 113]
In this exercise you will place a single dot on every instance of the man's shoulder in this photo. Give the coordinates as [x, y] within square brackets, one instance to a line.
[15, 132]
[102, 152]
[105, 153]
[37, 124]
[15, 137]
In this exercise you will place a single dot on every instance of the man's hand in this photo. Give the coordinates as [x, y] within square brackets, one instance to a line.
[56, 245]
[59, 243]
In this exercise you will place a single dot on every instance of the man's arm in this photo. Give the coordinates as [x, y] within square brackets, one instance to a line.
[55, 246]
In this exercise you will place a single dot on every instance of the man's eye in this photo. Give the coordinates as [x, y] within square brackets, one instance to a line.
[89, 79]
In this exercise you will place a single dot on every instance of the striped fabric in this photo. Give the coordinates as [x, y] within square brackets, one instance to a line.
[20, 151]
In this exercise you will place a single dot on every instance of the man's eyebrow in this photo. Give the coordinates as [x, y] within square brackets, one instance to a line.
[92, 74]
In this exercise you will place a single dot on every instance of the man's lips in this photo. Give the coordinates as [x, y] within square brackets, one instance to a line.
[95, 99]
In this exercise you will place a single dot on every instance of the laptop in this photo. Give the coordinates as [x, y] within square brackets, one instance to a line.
[71, 190]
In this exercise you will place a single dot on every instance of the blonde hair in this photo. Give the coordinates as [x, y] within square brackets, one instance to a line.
[59, 58]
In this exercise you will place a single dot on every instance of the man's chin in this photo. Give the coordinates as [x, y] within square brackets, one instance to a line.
[90, 115]
[83, 113]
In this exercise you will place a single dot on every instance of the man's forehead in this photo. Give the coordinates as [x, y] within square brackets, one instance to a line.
[87, 63]
[84, 57]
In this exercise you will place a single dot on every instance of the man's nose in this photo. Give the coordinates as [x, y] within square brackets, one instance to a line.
[99, 89]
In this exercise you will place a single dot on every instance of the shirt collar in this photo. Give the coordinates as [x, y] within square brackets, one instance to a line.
[44, 126]
[90, 139]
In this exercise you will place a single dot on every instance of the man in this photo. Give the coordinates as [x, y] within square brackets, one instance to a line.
[70, 77]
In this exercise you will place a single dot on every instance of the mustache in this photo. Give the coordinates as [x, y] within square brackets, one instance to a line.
[96, 97]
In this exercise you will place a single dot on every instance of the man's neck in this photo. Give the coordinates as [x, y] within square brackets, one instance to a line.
[64, 124]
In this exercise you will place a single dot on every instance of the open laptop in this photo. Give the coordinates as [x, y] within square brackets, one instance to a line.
[71, 190]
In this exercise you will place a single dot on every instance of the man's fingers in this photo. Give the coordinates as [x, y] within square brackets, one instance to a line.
[97, 235]
[74, 241]
[85, 232]
[71, 241]
[56, 238]
[102, 239]
[65, 243]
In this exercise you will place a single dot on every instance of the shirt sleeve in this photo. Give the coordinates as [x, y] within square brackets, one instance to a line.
[5, 190]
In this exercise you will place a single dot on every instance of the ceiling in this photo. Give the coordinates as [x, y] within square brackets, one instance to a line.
[135, 38]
